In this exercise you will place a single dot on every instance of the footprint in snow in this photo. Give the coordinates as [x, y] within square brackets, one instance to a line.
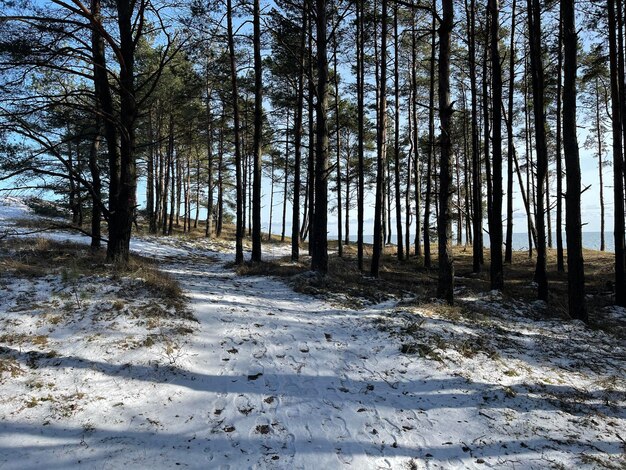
[243, 405]
[335, 428]
[260, 352]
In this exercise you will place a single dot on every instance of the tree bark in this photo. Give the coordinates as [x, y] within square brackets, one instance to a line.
[396, 180]
[239, 228]
[258, 135]
[537, 74]
[618, 163]
[361, 132]
[575, 262]
[295, 219]
[381, 135]
[445, 285]
[477, 197]
[560, 264]
[508, 254]
[319, 256]
[431, 142]
[495, 227]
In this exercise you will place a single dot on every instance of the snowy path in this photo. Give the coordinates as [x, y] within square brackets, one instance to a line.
[293, 382]
[274, 379]
[288, 381]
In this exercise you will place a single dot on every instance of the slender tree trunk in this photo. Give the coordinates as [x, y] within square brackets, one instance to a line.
[529, 206]
[311, 161]
[560, 264]
[209, 149]
[258, 135]
[168, 165]
[298, 130]
[495, 227]
[173, 178]
[179, 183]
[150, 177]
[319, 258]
[286, 180]
[361, 132]
[96, 183]
[537, 73]
[431, 141]
[220, 178]
[508, 254]
[486, 117]
[477, 197]
[235, 98]
[575, 262]
[348, 194]
[459, 211]
[600, 164]
[381, 133]
[618, 163]
[272, 168]
[396, 152]
[337, 149]
[197, 198]
[415, 146]
[445, 285]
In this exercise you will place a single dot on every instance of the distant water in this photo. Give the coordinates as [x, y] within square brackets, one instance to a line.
[591, 240]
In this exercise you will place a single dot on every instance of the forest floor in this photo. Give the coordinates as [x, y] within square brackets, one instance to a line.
[181, 361]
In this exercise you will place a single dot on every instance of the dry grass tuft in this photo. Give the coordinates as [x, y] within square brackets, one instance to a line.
[38, 257]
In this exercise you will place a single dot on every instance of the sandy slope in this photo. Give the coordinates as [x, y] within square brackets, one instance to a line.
[274, 379]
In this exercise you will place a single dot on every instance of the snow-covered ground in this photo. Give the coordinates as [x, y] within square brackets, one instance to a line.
[270, 378]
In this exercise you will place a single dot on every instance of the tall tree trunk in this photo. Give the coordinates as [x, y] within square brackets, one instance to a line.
[166, 179]
[348, 194]
[272, 168]
[258, 135]
[445, 285]
[235, 98]
[618, 162]
[286, 179]
[560, 264]
[361, 132]
[396, 179]
[209, 150]
[537, 73]
[431, 140]
[312, 146]
[104, 102]
[150, 177]
[381, 132]
[600, 163]
[319, 258]
[121, 220]
[173, 178]
[295, 219]
[495, 227]
[508, 254]
[486, 116]
[529, 206]
[337, 147]
[311, 160]
[575, 262]
[96, 183]
[477, 197]
[179, 183]
[415, 145]
[220, 179]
